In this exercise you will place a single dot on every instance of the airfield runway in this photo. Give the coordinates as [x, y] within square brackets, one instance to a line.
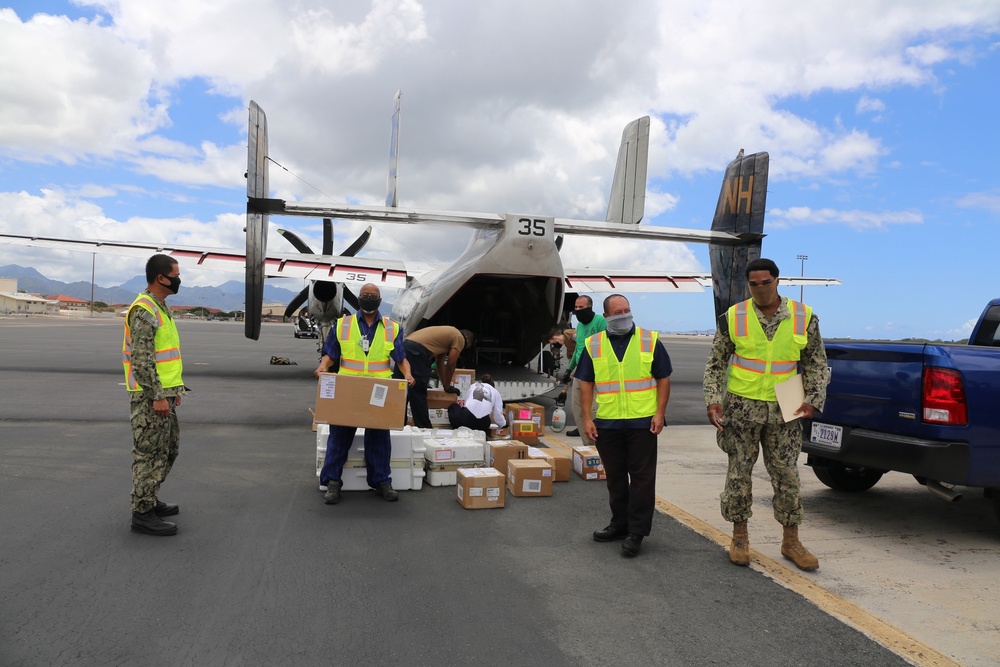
[263, 573]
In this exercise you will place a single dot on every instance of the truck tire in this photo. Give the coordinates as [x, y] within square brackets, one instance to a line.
[852, 479]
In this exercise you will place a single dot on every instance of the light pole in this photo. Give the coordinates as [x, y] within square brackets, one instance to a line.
[802, 272]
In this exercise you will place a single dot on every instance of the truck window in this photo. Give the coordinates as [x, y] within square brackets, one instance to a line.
[989, 332]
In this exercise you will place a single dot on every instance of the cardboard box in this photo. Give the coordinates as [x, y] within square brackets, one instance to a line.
[365, 402]
[524, 430]
[527, 411]
[479, 488]
[529, 477]
[587, 463]
[560, 462]
[497, 433]
[439, 398]
[463, 378]
[501, 451]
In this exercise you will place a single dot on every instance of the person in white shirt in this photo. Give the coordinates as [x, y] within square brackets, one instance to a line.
[481, 407]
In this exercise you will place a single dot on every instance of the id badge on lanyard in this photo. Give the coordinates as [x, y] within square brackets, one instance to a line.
[364, 344]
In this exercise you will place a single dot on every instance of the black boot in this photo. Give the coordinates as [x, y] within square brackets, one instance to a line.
[332, 495]
[163, 509]
[387, 492]
[150, 524]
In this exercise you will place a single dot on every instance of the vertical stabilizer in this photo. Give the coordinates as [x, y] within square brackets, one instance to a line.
[741, 211]
[628, 188]
[390, 186]
[257, 219]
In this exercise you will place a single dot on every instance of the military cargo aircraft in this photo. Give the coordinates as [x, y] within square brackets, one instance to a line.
[509, 286]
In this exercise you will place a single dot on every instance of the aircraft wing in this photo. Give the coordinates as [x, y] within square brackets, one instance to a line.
[351, 270]
[610, 281]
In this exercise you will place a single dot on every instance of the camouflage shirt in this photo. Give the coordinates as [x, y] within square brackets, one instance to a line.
[143, 329]
[812, 366]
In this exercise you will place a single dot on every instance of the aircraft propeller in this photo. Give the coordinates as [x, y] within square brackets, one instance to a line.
[324, 291]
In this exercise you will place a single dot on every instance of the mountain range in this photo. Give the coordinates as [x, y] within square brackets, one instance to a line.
[227, 296]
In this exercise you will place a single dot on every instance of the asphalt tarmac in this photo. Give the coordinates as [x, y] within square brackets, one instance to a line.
[263, 573]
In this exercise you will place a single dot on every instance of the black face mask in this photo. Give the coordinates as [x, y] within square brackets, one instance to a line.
[584, 315]
[369, 304]
[175, 283]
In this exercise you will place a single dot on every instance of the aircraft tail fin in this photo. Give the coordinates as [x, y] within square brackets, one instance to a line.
[257, 219]
[390, 187]
[741, 211]
[628, 189]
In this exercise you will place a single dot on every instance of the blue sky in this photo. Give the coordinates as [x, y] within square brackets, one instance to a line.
[127, 121]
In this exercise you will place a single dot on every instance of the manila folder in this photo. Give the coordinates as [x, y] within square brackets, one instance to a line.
[790, 396]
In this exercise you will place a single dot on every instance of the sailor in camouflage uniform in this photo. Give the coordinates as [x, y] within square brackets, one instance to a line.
[151, 355]
[759, 343]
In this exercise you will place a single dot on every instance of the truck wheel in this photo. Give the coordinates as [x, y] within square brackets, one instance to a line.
[853, 479]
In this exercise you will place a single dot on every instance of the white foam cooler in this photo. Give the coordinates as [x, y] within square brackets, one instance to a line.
[444, 455]
[406, 458]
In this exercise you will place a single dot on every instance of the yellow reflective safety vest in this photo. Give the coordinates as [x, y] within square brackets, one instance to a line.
[167, 341]
[353, 360]
[758, 363]
[625, 389]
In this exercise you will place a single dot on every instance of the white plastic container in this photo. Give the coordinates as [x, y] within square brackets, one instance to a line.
[558, 422]
[407, 458]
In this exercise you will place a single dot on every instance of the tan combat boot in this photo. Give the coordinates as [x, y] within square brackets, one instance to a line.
[793, 550]
[739, 548]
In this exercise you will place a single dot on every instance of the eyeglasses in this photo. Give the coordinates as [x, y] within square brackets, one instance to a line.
[762, 283]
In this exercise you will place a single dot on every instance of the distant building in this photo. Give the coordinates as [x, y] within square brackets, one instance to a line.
[70, 303]
[12, 301]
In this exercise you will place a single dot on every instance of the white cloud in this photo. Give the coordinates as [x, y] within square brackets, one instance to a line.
[856, 219]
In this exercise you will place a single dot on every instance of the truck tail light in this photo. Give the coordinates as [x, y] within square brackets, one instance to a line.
[944, 397]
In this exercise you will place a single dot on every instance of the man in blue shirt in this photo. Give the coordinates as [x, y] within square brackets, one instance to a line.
[627, 422]
[378, 443]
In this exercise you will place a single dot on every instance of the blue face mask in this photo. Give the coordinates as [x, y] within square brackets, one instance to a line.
[619, 324]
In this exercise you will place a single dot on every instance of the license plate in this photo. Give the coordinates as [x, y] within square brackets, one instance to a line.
[827, 434]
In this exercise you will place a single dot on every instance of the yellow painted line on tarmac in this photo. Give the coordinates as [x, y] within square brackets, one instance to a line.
[854, 615]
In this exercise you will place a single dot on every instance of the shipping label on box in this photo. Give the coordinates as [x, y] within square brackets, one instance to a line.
[364, 402]
[587, 463]
[479, 488]
[463, 378]
[529, 477]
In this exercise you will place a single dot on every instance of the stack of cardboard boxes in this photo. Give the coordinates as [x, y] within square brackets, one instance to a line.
[483, 470]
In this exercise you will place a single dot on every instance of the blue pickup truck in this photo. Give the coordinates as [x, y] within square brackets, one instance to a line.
[929, 410]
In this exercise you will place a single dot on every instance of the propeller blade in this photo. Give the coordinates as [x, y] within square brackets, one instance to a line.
[327, 236]
[359, 243]
[559, 242]
[298, 243]
[296, 303]
[351, 299]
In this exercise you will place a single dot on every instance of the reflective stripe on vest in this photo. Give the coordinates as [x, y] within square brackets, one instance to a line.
[758, 363]
[625, 389]
[353, 360]
[169, 365]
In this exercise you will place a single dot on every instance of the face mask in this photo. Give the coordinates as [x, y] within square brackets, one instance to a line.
[584, 315]
[175, 283]
[369, 304]
[620, 324]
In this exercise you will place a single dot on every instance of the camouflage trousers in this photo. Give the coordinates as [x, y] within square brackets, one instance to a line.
[155, 445]
[742, 441]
